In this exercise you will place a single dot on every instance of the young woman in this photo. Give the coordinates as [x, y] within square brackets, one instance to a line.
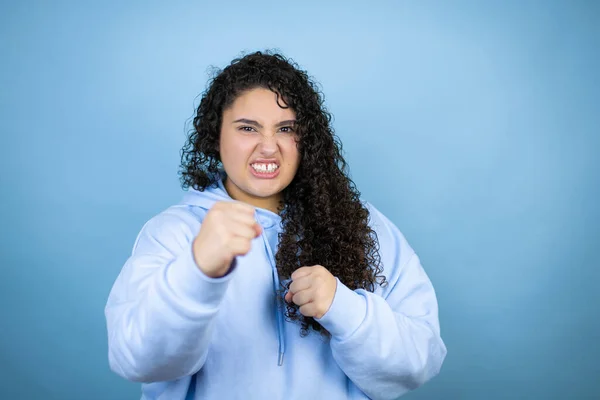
[271, 279]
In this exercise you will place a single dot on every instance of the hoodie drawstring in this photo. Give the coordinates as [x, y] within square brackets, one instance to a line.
[279, 315]
[278, 299]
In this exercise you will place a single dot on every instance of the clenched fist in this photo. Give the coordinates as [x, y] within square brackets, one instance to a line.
[313, 290]
[226, 232]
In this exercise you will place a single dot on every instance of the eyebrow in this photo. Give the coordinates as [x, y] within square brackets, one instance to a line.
[255, 123]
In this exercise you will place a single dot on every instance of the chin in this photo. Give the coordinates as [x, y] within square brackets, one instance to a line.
[263, 193]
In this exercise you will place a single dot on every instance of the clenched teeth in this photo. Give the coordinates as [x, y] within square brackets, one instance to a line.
[265, 168]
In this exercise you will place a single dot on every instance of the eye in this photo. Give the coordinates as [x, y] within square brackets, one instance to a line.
[287, 129]
[246, 129]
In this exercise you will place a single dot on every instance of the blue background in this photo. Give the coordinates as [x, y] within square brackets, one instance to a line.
[473, 125]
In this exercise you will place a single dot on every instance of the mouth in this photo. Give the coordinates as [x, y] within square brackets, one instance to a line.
[265, 168]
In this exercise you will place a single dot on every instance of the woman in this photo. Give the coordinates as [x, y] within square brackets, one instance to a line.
[271, 279]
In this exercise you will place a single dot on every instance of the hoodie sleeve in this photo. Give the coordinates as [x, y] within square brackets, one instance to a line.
[388, 342]
[161, 310]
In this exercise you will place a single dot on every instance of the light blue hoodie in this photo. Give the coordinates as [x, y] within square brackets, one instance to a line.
[188, 336]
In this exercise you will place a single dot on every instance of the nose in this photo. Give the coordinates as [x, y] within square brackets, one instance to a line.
[268, 145]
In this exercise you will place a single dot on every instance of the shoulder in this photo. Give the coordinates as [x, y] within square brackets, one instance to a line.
[394, 249]
[174, 226]
[388, 234]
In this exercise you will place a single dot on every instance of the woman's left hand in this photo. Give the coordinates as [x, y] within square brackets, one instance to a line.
[312, 289]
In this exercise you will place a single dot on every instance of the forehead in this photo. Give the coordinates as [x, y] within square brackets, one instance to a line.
[259, 104]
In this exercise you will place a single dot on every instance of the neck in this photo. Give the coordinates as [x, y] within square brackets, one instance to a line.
[268, 203]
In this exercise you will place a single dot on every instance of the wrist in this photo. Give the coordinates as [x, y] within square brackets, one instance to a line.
[211, 272]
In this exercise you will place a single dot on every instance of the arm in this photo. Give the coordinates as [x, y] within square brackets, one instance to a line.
[161, 310]
[388, 343]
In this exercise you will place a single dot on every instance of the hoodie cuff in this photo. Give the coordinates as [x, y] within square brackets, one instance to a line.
[186, 279]
[346, 313]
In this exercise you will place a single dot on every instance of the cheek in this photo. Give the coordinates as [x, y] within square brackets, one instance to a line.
[235, 149]
[289, 147]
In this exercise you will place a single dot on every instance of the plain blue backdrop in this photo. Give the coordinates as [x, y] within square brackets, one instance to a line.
[473, 125]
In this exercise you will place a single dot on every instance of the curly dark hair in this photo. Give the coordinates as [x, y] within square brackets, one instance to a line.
[323, 219]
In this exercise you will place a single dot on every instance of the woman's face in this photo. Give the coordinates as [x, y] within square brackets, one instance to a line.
[258, 148]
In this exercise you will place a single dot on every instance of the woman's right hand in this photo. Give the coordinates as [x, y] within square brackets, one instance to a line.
[226, 232]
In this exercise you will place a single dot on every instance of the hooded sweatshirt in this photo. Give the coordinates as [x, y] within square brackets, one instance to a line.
[184, 335]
